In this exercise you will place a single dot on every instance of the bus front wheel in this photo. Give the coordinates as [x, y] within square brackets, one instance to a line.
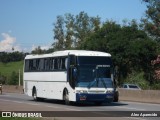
[34, 94]
[66, 98]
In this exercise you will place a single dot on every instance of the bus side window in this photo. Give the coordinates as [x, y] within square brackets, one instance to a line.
[34, 65]
[30, 65]
[51, 64]
[55, 64]
[53, 60]
[59, 63]
[63, 63]
[37, 64]
[46, 64]
[41, 65]
[26, 65]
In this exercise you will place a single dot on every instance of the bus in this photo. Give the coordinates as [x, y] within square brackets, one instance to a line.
[70, 75]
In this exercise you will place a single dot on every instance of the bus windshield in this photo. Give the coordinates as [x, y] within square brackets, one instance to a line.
[94, 60]
[94, 72]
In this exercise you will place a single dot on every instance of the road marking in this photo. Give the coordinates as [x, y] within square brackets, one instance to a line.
[130, 108]
[40, 104]
[63, 108]
[72, 109]
[4, 94]
[51, 106]
[142, 103]
[18, 102]
[136, 118]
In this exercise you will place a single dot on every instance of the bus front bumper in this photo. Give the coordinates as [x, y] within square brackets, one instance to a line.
[80, 97]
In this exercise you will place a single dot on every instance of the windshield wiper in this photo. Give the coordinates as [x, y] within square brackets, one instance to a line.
[97, 80]
[104, 84]
[92, 83]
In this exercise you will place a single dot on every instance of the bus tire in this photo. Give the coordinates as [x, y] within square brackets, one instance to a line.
[34, 94]
[116, 96]
[66, 97]
[115, 99]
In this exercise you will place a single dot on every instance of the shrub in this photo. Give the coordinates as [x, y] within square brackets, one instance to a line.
[137, 78]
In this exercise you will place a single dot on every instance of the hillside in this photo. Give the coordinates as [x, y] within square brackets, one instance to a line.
[8, 69]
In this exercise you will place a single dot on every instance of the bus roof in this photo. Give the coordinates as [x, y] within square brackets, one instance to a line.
[69, 52]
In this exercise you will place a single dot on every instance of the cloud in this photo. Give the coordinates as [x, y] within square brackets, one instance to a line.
[8, 43]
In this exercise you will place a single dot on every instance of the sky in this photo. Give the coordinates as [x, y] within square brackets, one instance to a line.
[27, 24]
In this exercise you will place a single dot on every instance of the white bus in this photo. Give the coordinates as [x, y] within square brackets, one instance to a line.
[70, 75]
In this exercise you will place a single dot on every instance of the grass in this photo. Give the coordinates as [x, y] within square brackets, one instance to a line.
[6, 69]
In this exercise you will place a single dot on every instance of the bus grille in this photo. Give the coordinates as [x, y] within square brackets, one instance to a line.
[95, 91]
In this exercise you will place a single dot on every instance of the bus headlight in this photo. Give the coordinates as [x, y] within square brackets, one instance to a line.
[81, 91]
[109, 91]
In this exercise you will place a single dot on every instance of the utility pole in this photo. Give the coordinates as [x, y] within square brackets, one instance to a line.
[19, 77]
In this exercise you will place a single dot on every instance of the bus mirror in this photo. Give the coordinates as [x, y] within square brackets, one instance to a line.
[75, 73]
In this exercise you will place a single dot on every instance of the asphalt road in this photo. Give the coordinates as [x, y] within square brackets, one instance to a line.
[124, 110]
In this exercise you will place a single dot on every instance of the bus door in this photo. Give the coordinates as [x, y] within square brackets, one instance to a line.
[72, 71]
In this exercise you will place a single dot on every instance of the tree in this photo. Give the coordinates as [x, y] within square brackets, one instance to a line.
[38, 50]
[59, 33]
[152, 18]
[84, 26]
[130, 47]
[69, 24]
[70, 30]
[11, 57]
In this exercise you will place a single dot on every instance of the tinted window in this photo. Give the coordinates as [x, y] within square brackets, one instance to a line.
[26, 65]
[63, 63]
[55, 63]
[45, 64]
[50, 63]
[31, 65]
[89, 60]
[41, 65]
